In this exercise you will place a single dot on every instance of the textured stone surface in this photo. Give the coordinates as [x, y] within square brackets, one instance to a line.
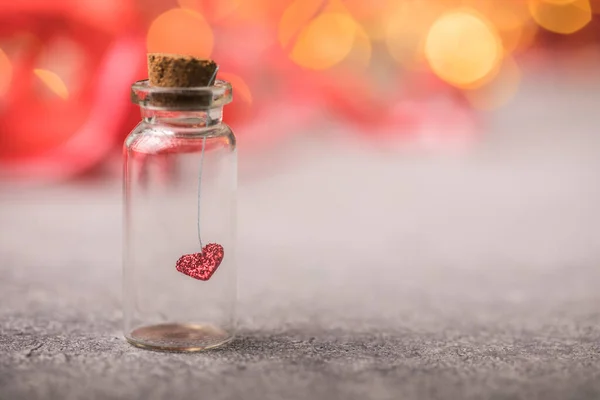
[75, 365]
[412, 330]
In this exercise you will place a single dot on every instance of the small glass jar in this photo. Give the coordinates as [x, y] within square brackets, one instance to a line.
[180, 178]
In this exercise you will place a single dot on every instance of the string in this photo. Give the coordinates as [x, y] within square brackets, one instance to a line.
[199, 187]
[210, 83]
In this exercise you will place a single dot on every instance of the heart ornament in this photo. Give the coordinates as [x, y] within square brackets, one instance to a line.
[201, 265]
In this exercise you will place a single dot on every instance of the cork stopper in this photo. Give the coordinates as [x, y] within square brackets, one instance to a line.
[180, 71]
[174, 70]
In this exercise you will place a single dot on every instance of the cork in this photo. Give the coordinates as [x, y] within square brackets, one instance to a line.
[180, 71]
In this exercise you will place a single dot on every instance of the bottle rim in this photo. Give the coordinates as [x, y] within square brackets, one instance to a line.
[181, 98]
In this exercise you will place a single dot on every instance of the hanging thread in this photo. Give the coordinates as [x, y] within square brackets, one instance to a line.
[200, 188]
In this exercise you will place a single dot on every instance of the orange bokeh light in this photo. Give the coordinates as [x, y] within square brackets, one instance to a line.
[559, 2]
[240, 88]
[513, 22]
[53, 82]
[463, 48]
[295, 18]
[180, 31]
[362, 9]
[526, 38]
[370, 14]
[325, 42]
[260, 11]
[511, 15]
[360, 55]
[561, 17]
[405, 29]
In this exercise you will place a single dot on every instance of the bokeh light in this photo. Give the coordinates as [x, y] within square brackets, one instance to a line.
[370, 15]
[362, 9]
[462, 47]
[560, 16]
[405, 29]
[360, 55]
[181, 31]
[559, 2]
[259, 11]
[325, 42]
[53, 82]
[295, 17]
[240, 87]
[513, 22]
[67, 59]
[510, 15]
[5, 72]
[527, 37]
[401, 57]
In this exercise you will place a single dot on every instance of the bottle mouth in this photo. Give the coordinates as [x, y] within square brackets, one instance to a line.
[181, 98]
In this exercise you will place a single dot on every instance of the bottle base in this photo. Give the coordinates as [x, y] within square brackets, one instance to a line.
[178, 337]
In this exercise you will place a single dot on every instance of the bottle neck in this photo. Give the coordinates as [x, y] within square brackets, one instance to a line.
[190, 119]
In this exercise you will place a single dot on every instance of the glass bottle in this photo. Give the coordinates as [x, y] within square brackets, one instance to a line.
[180, 178]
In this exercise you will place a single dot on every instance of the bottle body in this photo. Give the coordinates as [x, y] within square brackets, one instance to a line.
[180, 177]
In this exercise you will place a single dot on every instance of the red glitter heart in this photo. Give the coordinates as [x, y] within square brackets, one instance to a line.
[202, 265]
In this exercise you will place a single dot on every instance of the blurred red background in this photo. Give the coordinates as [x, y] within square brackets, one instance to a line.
[407, 71]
